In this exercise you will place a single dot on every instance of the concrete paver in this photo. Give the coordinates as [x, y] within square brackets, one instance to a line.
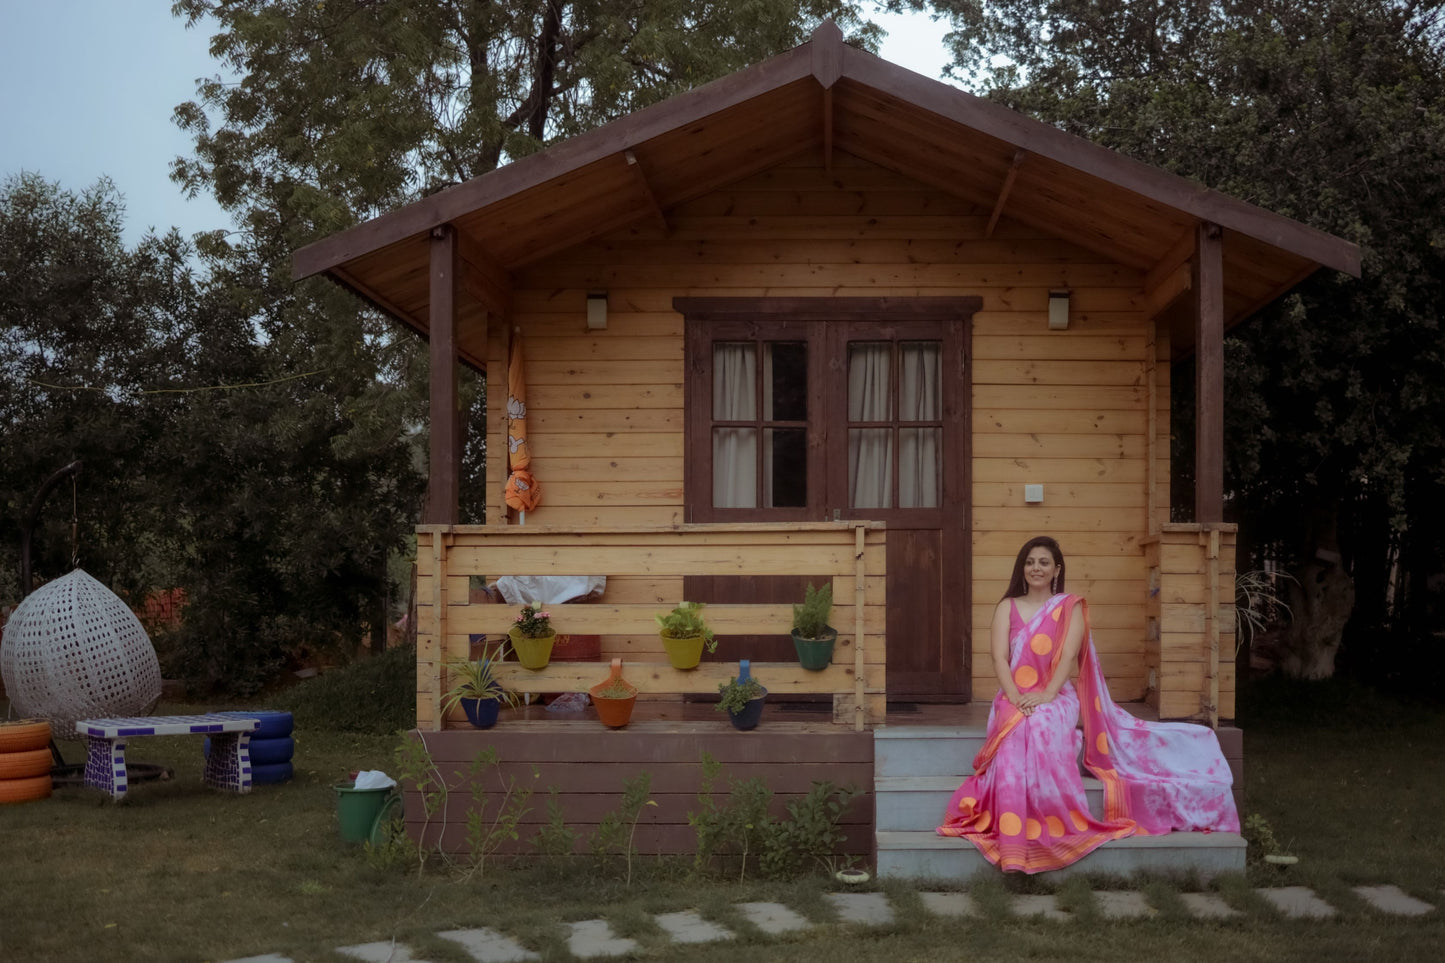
[866, 909]
[1392, 899]
[773, 918]
[594, 938]
[1122, 904]
[689, 927]
[1045, 906]
[948, 904]
[265, 958]
[1298, 902]
[1209, 906]
[387, 951]
[489, 946]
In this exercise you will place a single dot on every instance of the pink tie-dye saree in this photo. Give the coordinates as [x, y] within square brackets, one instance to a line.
[1024, 807]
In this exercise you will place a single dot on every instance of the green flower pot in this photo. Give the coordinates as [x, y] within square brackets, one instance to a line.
[815, 655]
[532, 653]
[683, 653]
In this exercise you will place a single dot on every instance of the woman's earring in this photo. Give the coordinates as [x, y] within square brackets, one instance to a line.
[1054, 583]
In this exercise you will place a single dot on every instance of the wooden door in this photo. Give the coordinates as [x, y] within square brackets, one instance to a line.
[895, 453]
[906, 431]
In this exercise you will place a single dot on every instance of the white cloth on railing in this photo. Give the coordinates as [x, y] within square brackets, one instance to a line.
[550, 589]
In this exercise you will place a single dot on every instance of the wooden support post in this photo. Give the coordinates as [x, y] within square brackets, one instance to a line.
[1211, 629]
[444, 483]
[1151, 442]
[1208, 295]
[439, 620]
[860, 572]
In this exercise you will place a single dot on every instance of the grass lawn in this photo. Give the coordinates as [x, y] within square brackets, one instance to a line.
[1352, 782]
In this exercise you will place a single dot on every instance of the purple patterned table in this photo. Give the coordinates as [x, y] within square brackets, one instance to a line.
[227, 767]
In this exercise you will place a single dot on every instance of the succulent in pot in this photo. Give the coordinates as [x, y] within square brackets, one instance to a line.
[742, 698]
[532, 636]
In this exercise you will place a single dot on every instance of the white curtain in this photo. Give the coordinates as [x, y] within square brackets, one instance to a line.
[870, 450]
[734, 450]
[919, 399]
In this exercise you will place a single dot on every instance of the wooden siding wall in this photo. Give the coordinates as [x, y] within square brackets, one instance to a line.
[853, 553]
[1191, 570]
[1066, 409]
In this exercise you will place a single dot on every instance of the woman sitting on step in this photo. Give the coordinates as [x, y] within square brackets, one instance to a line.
[1024, 806]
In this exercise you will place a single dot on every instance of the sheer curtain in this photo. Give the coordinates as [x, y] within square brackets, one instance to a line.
[734, 450]
[870, 450]
[919, 399]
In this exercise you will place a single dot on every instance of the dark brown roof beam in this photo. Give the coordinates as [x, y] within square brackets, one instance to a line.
[361, 290]
[639, 177]
[483, 277]
[1170, 277]
[997, 121]
[828, 131]
[1004, 191]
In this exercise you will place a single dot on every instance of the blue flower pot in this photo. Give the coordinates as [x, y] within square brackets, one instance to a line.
[750, 715]
[481, 713]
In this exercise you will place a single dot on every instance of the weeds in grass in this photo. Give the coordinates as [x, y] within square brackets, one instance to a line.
[555, 838]
[742, 826]
[485, 837]
[609, 835]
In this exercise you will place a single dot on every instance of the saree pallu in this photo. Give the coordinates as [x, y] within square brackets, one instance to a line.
[1025, 808]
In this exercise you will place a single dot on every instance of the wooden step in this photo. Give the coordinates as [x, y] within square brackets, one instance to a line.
[925, 750]
[903, 803]
[926, 855]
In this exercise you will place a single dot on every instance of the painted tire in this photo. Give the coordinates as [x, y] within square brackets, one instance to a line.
[25, 790]
[24, 765]
[271, 774]
[274, 723]
[265, 752]
[24, 735]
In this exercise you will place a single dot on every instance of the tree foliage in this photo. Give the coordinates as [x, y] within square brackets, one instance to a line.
[1328, 111]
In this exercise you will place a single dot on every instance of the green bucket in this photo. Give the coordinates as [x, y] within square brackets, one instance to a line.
[357, 810]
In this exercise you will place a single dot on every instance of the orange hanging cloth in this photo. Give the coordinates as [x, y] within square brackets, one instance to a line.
[522, 492]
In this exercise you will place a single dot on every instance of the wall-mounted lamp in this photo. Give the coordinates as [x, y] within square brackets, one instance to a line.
[1058, 310]
[597, 312]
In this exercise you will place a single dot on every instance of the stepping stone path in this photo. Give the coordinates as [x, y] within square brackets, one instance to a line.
[594, 939]
[1207, 906]
[867, 909]
[489, 946]
[690, 927]
[1122, 904]
[1044, 906]
[1298, 902]
[1392, 899]
[948, 904]
[773, 918]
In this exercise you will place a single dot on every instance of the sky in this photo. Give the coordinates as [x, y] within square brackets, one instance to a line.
[87, 88]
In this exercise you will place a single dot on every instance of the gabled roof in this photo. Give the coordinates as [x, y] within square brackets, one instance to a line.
[822, 96]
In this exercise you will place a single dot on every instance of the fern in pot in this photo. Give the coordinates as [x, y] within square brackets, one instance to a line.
[813, 637]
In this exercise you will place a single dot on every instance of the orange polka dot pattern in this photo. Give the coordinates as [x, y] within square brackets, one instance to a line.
[1026, 676]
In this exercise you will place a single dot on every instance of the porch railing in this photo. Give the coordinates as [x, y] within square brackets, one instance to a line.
[645, 568]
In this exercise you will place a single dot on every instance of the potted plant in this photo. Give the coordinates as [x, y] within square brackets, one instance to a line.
[742, 698]
[684, 633]
[813, 637]
[476, 689]
[614, 698]
[532, 636]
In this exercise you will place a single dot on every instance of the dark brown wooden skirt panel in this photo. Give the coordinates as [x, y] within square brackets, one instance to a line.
[589, 767]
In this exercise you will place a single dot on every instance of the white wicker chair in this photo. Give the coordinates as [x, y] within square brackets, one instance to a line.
[73, 650]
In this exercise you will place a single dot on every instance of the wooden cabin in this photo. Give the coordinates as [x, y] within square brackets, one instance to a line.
[825, 319]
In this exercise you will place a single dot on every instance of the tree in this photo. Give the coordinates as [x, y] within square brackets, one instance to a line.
[338, 112]
[1328, 111]
[91, 337]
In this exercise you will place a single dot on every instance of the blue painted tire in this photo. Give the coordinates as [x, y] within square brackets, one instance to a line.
[274, 723]
[265, 752]
[271, 774]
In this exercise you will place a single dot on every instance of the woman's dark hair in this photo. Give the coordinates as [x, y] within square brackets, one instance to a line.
[1017, 587]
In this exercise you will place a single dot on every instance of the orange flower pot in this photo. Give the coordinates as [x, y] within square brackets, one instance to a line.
[613, 709]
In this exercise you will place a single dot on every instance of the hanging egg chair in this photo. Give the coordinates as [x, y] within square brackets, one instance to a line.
[73, 650]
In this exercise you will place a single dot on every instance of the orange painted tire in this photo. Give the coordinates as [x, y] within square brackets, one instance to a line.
[24, 790]
[23, 765]
[24, 735]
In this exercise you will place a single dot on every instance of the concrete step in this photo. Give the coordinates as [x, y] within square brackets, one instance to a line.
[926, 855]
[903, 803]
[925, 750]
